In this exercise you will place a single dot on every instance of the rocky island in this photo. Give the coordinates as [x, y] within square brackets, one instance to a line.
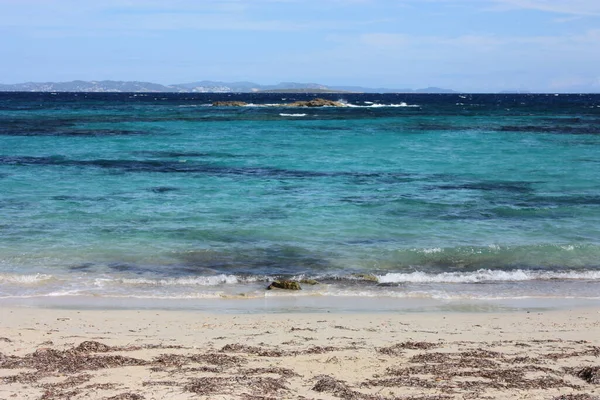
[318, 102]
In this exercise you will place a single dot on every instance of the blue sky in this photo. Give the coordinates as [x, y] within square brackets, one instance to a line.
[469, 45]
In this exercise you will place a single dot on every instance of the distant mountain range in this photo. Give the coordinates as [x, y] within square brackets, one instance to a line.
[199, 87]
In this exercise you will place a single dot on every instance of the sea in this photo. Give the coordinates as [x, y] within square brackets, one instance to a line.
[394, 202]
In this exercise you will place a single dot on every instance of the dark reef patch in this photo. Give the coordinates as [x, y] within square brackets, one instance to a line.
[514, 187]
[163, 189]
[553, 128]
[169, 166]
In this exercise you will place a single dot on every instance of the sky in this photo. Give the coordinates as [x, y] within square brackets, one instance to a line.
[465, 45]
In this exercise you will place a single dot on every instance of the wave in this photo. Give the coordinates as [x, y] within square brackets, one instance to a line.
[343, 102]
[549, 257]
[30, 279]
[486, 275]
[211, 280]
[292, 115]
[377, 105]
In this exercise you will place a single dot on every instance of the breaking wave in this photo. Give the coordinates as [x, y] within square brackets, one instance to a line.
[31, 279]
[485, 275]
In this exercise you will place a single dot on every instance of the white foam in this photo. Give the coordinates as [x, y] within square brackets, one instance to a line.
[485, 275]
[292, 115]
[432, 251]
[24, 279]
[403, 104]
[212, 280]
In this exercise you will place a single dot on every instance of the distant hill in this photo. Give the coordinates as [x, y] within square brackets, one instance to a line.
[88, 86]
[199, 87]
[305, 90]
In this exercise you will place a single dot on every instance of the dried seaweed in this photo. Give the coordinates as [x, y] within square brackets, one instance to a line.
[165, 346]
[481, 353]
[294, 329]
[126, 396]
[397, 349]
[222, 360]
[70, 382]
[101, 386]
[419, 345]
[246, 396]
[171, 360]
[284, 372]
[345, 328]
[53, 394]
[590, 375]
[160, 383]
[93, 347]
[431, 358]
[25, 377]
[318, 350]
[259, 351]
[401, 381]
[340, 389]
[226, 385]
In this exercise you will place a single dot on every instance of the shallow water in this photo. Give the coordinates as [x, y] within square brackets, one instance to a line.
[452, 198]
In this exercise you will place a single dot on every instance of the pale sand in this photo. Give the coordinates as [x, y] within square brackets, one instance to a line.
[195, 355]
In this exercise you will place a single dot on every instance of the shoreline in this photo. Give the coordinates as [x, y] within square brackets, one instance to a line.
[282, 302]
[187, 354]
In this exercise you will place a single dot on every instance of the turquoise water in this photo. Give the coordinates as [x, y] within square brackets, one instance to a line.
[447, 197]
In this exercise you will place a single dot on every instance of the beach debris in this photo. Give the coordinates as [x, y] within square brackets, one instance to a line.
[210, 385]
[229, 103]
[339, 388]
[294, 329]
[284, 284]
[283, 372]
[67, 361]
[93, 347]
[126, 396]
[581, 396]
[326, 383]
[319, 350]
[590, 375]
[397, 348]
[259, 351]
[179, 360]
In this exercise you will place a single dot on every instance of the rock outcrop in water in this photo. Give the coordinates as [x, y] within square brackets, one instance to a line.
[316, 103]
[311, 282]
[366, 277]
[286, 285]
[229, 104]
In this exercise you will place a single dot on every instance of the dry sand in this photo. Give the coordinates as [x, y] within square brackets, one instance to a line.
[70, 354]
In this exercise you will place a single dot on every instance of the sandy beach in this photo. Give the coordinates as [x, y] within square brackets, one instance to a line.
[153, 354]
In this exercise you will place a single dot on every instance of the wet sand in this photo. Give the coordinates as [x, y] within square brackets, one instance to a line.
[128, 354]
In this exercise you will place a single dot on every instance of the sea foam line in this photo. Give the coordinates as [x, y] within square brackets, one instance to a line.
[485, 275]
[212, 280]
[24, 279]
